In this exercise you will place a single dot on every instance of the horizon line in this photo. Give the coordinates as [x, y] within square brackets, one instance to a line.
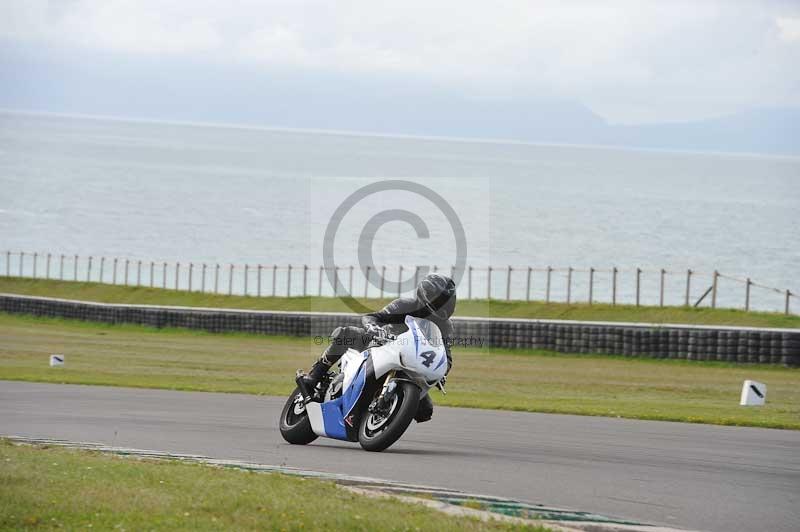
[403, 136]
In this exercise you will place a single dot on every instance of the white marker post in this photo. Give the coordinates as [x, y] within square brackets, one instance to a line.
[56, 361]
[753, 394]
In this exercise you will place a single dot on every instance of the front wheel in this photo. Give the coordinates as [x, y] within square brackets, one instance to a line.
[379, 430]
[295, 425]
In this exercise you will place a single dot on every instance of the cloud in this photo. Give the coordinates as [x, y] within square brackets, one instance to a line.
[628, 60]
[116, 25]
[789, 28]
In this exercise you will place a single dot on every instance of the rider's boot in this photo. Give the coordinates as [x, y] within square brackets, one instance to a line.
[319, 369]
[316, 373]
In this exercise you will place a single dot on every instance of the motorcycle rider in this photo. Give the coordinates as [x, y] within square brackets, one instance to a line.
[435, 301]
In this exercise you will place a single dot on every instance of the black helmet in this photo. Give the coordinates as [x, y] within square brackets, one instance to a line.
[438, 294]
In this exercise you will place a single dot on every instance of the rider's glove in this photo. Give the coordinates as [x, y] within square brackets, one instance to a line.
[378, 333]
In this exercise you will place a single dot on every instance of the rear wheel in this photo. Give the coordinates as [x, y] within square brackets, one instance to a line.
[295, 425]
[379, 430]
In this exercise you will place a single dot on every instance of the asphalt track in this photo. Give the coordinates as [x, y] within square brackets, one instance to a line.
[688, 476]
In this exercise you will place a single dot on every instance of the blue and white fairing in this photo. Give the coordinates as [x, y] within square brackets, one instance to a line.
[418, 352]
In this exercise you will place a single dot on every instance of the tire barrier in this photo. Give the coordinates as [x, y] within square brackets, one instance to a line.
[686, 342]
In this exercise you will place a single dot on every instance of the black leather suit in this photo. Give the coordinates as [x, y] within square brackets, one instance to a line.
[392, 319]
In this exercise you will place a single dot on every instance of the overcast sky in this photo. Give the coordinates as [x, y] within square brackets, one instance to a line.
[629, 62]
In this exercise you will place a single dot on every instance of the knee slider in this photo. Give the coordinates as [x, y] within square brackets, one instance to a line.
[345, 336]
[344, 332]
[336, 332]
[424, 410]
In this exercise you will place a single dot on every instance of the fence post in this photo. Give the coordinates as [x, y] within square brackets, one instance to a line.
[177, 273]
[127, 264]
[614, 272]
[8, 264]
[638, 284]
[508, 284]
[216, 278]
[528, 285]
[88, 269]
[452, 273]
[335, 281]
[569, 285]
[547, 288]
[138, 273]
[788, 295]
[714, 290]
[319, 282]
[35, 257]
[469, 284]
[688, 286]
[435, 268]
[258, 281]
[203, 278]
[75, 269]
[661, 288]
[191, 271]
[21, 259]
[591, 284]
[61, 268]
[274, 278]
[366, 282]
[230, 280]
[246, 269]
[350, 282]
[47, 267]
[383, 278]
[305, 278]
[163, 276]
[489, 284]
[289, 281]
[152, 272]
[102, 267]
[400, 281]
[747, 294]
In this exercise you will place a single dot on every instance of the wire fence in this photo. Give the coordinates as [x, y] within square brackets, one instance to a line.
[636, 286]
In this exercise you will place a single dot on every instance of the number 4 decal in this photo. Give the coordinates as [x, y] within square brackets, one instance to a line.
[427, 358]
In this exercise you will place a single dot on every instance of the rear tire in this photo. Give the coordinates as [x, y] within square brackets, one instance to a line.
[376, 433]
[295, 425]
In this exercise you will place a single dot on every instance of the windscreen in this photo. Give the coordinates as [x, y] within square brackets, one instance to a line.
[430, 331]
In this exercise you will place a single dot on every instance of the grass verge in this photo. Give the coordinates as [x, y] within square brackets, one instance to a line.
[525, 380]
[498, 309]
[49, 488]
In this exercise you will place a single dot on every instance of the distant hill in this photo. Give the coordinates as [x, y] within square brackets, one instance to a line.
[769, 131]
[168, 89]
[759, 131]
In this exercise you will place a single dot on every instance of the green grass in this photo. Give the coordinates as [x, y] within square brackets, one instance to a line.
[525, 380]
[499, 309]
[51, 488]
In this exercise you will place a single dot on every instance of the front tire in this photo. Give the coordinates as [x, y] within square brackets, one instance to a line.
[377, 432]
[295, 425]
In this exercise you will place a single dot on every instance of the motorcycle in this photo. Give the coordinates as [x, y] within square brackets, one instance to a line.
[375, 394]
